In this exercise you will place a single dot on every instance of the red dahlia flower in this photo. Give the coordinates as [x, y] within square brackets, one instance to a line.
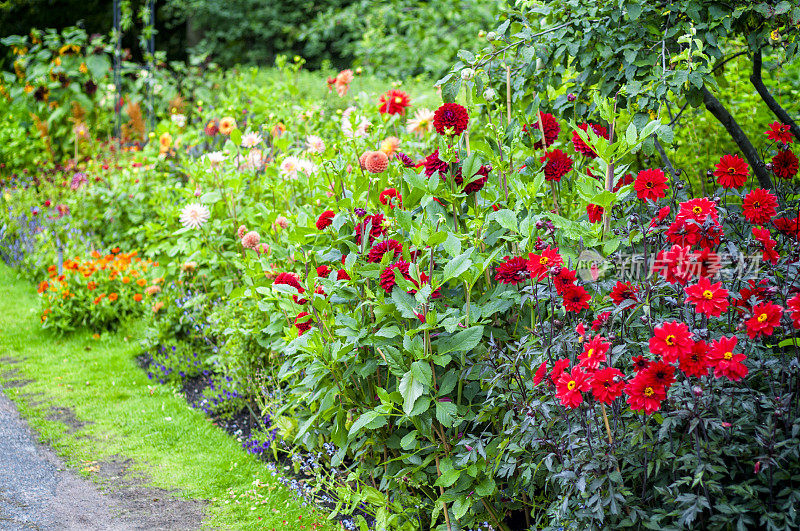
[673, 264]
[607, 384]
[476, 185]
[391, 197]
[643, 395]
[302, 322]
[785, 164]
[623, 181]
[767, 244]
[752, 295]
[550, 127]
[289, 279]
[539, 375]
[376, 230]
[624, 291]
[450, 119]
[512, 271]
[725, 361]
[575, 299]
[759, 206]
[539, 264]
[696, 362]
[793, 305]
[640, 363]
[381, 248]
[570, 385]
[394, 102]
[581, 146]
[594, 352]
[595, 213]
[651, 185]
[659, 373]
[732, 171]
[342, 275]
[697, 223]
[671, 339]
[788, 226]
[323, 271]
[557, 165]
[601, 321]
[325, 219]
[698, 209]
[387, 275]
[766, 317]
[705, 263]
[779, 133]
[564, 279]
[558, 369]
[660, 217]
[709, 299]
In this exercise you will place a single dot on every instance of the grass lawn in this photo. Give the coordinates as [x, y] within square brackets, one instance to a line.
[127, 416]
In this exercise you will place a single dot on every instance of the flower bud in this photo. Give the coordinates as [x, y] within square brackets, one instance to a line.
[467, 74]
[489, 94]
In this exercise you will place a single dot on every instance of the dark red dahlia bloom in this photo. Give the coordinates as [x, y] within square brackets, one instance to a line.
[767, 244]
[342, 275]
[594, 352]
[731, 171]
[759, 206]
[624, 291]
[607, 385]
[557, 165]
[670, 339]
[785, 164]
[697, 223]
[433, 164]
[651, 185]
[381, 248]
[407, 161]
[450, 119]
[289, 279]
[766, 317]
[696, 362]
[558, 369]
[303, 322]
[391, 197]
[540, 264]
[387, 275]
[550, 127]
[375, 232]
[570, 386]
[595, 213]
[477, 185]
[581, 146]
[325, 219]
[512, 271]
[779, 133]
[725, 362]
[323, 271]
[643, 395]
[575, 299]
[394, 102]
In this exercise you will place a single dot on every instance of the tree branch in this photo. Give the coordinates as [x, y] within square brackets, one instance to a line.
[664, 157]
[774, 106]
[729, 122]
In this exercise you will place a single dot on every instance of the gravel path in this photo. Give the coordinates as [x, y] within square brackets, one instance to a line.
[36, 492]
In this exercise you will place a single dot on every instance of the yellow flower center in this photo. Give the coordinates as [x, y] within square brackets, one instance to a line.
[398, 100]
[589, 353]
[544, 260]
[571, 385]
[697, 210]
[762, 317]
[728, 355]
[670, 340]
[648, 391]
[708, 294]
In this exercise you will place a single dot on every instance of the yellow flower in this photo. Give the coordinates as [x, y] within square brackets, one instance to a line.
[165, 140]
[57, 61]
[83, 68]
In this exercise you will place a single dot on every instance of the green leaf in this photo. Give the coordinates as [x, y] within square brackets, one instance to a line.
[634, 10]
[411, 389]
[450, 89]
[452, 245]
[422, 372]
[370, 420]
[457, 265]
[630, 134]
[465, 340]
[445, 413]
[506, 218]
[236, 136]
[447, 478]
[98, 65]
[409, 441]
[405, 303]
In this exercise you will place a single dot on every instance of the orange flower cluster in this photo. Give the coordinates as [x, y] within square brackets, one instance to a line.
[96, 292]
